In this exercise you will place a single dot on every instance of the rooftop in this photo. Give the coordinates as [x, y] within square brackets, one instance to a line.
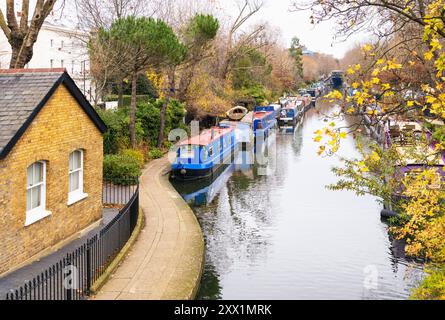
[24, 92]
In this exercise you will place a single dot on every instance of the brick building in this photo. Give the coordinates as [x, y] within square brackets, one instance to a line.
[51, 155]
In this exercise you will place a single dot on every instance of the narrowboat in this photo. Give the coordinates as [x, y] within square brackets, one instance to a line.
[314, 94]
[203, 155]
[410, 138]
[274, 108]
[289, 116]
[263, 123]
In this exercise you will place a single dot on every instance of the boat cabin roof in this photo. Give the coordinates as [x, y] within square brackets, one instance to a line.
[261, 114]
[207, 136]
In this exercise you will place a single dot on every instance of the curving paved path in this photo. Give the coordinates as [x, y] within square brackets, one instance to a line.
[166, 261]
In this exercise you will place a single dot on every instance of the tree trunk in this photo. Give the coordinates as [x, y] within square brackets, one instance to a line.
[170, 91]
[22, 37]
[120, 93]
[133, 109]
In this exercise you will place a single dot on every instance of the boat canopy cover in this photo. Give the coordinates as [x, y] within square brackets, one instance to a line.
[207, 136]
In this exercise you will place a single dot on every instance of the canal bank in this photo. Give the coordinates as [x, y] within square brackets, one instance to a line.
[167, 259]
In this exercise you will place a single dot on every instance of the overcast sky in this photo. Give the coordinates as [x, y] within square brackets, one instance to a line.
[318, 38]
[277, 13]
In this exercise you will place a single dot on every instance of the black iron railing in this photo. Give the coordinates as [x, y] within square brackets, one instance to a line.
[73, 276]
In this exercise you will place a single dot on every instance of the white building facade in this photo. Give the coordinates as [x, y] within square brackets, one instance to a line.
[58, 47]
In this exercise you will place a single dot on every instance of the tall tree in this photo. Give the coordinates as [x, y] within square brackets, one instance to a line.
[23, 34]
[296, 52]
[145, 43]
[197, 37]
[251, 40]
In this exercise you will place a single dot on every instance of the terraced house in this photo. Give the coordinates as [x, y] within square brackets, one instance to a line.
[51, 156]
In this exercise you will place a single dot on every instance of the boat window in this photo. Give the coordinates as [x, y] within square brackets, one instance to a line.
[187, 152]
[204, 153]
[210, 152]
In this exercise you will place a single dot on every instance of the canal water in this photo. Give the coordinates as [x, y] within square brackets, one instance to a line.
[286, 236]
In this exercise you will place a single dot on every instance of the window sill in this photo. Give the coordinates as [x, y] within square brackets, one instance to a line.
[74, 198]
[35, 216]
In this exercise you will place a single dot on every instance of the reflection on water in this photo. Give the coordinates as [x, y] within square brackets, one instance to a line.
[285, 236]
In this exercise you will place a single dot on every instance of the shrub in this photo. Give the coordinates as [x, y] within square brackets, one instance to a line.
[155, 153]
[117, 136]
[135, 154]
[121, 169]
[432, 288]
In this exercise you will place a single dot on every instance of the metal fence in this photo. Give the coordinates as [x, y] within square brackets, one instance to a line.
[73, 276]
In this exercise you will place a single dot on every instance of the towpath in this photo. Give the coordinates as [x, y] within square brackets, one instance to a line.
[166, 261]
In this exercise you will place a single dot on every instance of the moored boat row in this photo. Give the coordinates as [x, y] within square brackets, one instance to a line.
[203, 155]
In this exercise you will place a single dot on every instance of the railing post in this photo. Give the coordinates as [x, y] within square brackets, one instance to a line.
[89, 284]
[69, 292]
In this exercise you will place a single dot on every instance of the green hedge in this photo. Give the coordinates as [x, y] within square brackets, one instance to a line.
[121, 169]
[155, 153]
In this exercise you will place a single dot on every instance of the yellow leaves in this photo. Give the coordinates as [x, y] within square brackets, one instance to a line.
[386, 86]
[411, 63]
[379, 62]
[375, 72]
[435, 45]
[362, 167]
[335, 94]
[426, 224]
[331, 137]
[428, 55]
[350, 110]
[375, 80]
[410, 103]
[391, 65]
[367, 48]
[353, 69]
[374, 156]
[157, 80]
[355, 85]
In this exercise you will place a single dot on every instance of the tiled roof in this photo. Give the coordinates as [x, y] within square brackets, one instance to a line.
[23, 93]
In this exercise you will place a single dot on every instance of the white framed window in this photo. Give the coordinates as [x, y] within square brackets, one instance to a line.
[36, 193]
[75, 178]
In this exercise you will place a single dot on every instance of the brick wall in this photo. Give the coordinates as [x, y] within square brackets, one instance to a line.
[60, 128]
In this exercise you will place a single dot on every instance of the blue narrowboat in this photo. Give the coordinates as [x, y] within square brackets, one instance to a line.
[290, 115]
[203, 155]
[263, 123]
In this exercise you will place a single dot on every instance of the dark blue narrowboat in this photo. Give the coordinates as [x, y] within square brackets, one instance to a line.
[203, 155]
[290, 115]
[263, 123]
